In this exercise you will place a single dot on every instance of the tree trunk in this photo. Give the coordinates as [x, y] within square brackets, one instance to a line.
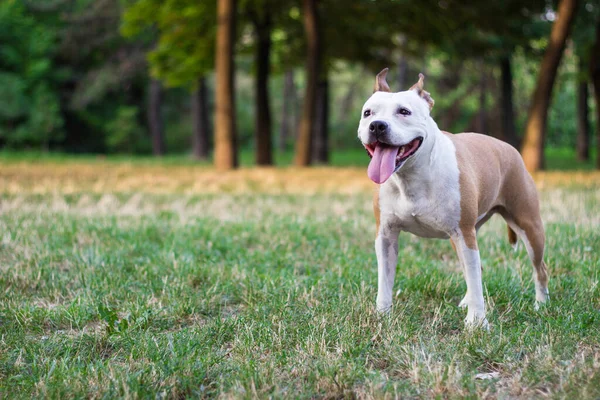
[583, 121]
[298, 109]
[595, 76]
[304, 142]
[200, 121]
[535, 132]
[287, 109]
[321, 138]
[155, 119]
[263, 115]
[226, 156]
[482, 114]
[509, 132]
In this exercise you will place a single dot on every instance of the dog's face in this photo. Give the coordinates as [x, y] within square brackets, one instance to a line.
[393, 126]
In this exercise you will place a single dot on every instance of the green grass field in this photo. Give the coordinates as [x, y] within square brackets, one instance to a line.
[562, 158]
[141, 281]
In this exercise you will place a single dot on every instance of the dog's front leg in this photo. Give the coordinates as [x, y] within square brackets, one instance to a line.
[468, 253]
[386, 248]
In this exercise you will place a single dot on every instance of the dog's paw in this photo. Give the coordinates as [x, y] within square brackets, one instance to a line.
[384, 309]
[473, 322]
[541, 296]
[539, 304]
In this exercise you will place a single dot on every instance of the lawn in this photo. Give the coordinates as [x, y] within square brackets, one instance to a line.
[152, 280]
[557, 158]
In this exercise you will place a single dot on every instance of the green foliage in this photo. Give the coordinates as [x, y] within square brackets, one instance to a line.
[584, 32]
[186, 29]
[30, 113]
[69, 80]
[124, 133]
[13, 97]
[288, 46]
[114, 324]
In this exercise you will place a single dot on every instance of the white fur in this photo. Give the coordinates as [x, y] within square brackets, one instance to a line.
[422, 197]
[386, 248]
[473, 300]
[384, 107]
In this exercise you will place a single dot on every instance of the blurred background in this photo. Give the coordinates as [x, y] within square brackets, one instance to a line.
[280, 82]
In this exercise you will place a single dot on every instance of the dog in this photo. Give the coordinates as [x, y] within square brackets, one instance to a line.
[435, 184]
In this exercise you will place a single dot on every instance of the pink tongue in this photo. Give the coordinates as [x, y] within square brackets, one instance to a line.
[383, 163]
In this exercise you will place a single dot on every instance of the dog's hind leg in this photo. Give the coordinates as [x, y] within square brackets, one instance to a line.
[532, 235]
[531, 231]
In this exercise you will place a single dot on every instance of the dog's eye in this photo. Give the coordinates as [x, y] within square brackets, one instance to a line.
[403, 111]
[366, 113]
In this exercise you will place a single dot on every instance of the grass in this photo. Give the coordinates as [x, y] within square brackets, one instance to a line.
[557, 158]
[143, 280]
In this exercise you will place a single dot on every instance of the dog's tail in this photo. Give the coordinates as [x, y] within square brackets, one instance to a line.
[512, 237]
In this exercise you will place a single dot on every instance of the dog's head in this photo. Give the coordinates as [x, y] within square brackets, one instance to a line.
[393, 126]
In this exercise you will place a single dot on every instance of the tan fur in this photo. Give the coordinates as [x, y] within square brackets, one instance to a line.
[493, 179]
[381, 84]
[418, 87]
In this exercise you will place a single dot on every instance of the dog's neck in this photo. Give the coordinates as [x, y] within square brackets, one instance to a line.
[424, 173]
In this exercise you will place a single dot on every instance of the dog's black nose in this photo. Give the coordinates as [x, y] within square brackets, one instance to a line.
[378, 127]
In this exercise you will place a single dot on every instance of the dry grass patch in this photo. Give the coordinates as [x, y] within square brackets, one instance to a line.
[105, 177]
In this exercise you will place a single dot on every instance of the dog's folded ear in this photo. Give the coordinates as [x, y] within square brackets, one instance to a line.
[418, 87]
[380, 82]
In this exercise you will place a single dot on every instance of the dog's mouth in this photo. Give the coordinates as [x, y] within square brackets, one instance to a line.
[387, 159]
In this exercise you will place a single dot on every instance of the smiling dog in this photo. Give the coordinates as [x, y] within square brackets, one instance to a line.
[434, 184]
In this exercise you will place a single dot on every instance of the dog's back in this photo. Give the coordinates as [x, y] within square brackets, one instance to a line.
[496, 169]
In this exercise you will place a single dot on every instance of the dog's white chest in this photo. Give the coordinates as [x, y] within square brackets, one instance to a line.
[426, 202]
[423, 216]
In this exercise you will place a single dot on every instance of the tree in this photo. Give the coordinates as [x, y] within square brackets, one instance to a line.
[509, 133]
[583, 123]
[371, 35]
[155, 118]
[288, 107]
[226, 156]
[200, 120]
[107, 80]
[320, 150]
[595, 76]
[313, 42]
[583, 42]
[535, 131]
[262, 22]
[183, 54]
[482, 114]
[29, 86]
